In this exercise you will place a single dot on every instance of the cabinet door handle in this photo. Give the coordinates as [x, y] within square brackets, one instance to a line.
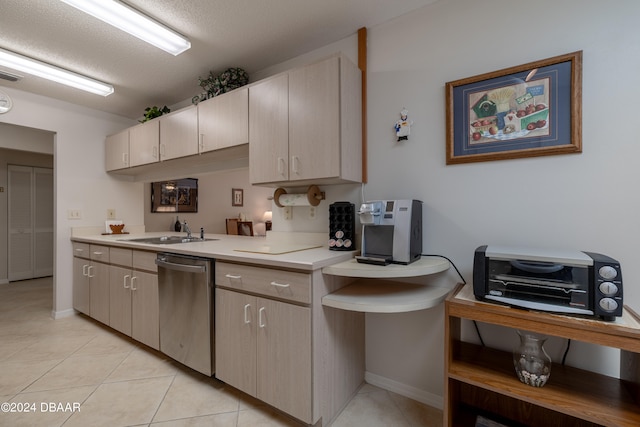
[154, 153]
[125, 159]
[246, 313]
[262, 325]
[124, 281]
[201, 144]
[85, 270]
[163, 151]
[97, 253]
[231, 276]
[78, 250]
[89, 271]
[281, 165]
[133, 280]
[294, 164]
[280, 285]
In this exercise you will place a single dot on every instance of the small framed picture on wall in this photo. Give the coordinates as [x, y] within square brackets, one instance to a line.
[237, 197]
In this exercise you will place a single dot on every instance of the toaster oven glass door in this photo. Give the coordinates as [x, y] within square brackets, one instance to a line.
[539, 282]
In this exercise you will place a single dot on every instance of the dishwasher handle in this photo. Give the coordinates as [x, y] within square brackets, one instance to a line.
[181, 267]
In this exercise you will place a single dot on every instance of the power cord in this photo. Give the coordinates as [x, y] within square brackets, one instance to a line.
[450, 262]
[464, 282]
[564, 357]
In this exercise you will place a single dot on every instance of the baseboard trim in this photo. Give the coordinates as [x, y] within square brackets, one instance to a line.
[64, 313]
[422, 396]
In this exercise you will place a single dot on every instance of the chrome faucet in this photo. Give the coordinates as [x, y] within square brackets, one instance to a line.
[186, 229]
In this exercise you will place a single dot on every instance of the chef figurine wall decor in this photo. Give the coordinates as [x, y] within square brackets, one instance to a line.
[403, 126]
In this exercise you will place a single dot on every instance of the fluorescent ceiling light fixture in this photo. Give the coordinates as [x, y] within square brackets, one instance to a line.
[133, 22]
[49, 72]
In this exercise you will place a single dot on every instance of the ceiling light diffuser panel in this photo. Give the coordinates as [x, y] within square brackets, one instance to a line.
[133, 22]
[40, 69]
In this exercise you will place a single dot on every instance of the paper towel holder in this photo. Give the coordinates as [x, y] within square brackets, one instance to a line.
[313, 196]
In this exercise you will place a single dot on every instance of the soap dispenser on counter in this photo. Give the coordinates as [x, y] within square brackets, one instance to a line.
[177, 226]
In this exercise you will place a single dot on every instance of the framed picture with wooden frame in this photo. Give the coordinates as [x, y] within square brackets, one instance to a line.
[534, 109]
[237, 196]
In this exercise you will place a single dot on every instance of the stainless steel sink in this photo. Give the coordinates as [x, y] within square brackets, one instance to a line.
[167, 240]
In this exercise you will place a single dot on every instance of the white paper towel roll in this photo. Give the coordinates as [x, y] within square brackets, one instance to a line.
[294, 200]
[311, 198]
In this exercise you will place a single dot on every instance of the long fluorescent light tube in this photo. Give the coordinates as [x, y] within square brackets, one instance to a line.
[49, 72]
[133, 22]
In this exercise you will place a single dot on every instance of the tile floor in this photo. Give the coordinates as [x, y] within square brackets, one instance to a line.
[53, 367]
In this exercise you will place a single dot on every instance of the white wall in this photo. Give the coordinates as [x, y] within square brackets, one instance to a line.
[214, 204]
[79, 178]
[586, 201]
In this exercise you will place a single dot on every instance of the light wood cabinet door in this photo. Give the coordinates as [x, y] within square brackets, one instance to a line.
[99, 291]
[144, 143]
[269, 130]
[120, 299]
[117, 151]
[235, 349]
[223, 121]
[145, 316]
[81, 295]
[179, 134]
[314, 121]
[284, 357]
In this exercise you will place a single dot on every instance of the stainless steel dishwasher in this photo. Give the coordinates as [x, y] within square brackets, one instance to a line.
[185, 286]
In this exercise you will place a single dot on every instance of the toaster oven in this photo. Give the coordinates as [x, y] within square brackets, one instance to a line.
[561, 281]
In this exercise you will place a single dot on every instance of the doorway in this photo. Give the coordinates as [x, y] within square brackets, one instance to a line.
[30, 222]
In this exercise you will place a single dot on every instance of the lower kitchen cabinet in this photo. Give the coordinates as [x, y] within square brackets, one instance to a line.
[133, 296]
[91, 281]
[264, 349]
[99, 291]
[276, 342]
[81, 296]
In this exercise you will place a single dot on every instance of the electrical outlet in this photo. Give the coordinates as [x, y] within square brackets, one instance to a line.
[312, 212]
[111, 214]
[287, 213]
[74, 214]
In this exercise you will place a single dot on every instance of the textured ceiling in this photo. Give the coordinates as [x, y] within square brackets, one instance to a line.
[251, 34]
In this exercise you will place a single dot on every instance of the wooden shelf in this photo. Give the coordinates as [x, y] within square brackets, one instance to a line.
[581, 394]
[384, 296]
[377, 292]
[483, 380]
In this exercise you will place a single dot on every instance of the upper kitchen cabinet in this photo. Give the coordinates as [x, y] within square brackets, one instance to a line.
[269, 130]
[144, 141]
[179, 133]
[224, 120]
[305, 126]
[117, 151]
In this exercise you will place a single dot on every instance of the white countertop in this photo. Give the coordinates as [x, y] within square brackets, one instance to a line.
[236, 248]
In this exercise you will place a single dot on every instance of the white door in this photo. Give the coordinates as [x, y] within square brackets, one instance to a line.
[30, 195]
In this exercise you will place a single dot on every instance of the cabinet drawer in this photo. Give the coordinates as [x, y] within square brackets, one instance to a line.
[265, 281]
[120, 256]
[81, 250]
[99, 253]
[143, 260]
